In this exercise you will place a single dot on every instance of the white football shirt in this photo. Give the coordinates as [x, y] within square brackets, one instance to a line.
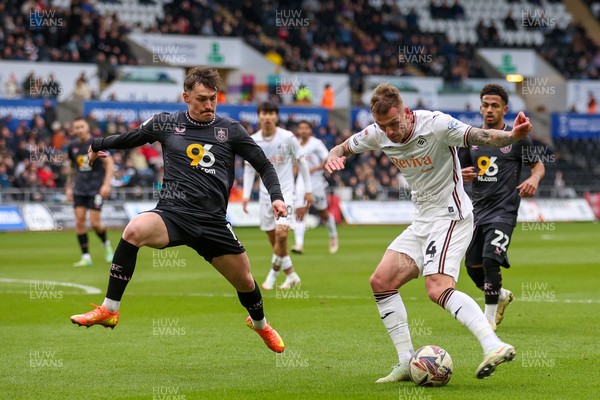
[428, 159]
[282, 149]
[315, 153]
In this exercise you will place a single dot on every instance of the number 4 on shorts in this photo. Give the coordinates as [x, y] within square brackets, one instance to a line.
[431, 249]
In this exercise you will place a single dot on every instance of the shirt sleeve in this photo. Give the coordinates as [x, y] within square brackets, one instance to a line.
[322, 152]
[294, 148]
[249, 176]
[148, 132]
[450, 131]
[365, 140]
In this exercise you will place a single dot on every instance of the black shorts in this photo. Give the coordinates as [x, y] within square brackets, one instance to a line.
[89, 202]
[210, 239]
[491, 241]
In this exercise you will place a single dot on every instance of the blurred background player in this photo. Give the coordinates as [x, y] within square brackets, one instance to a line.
[496, 195]
[315, 153]
[90, 187]
[283, 150]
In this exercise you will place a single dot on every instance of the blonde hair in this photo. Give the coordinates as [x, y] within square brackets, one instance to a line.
[385, 96]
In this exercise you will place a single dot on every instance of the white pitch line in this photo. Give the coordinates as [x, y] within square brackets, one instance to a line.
[85, 288]
[94, 290]
[335, 297]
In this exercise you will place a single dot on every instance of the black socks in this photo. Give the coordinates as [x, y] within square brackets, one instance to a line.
[121, 269]
[253, 303]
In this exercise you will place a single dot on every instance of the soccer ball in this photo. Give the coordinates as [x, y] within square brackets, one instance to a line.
[430, 366]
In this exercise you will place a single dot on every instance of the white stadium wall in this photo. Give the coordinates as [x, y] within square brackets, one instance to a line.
[578, 94]
[152, 84]
[65, 74]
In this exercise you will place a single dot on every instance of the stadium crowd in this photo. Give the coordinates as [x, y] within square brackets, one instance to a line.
[355, 37]
[35, 158]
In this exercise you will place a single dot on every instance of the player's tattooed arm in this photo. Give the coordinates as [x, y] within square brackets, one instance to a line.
[489, 137]
[498, 138]
[340, 150]
[336, 160]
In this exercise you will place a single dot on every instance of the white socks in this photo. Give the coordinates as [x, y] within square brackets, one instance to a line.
[286, 262]
[467, 312]
[331, 226]
[503, 294]
[490, 312]
[490, 309]
[299, 229]
[292, 277]
[260, 325]
[272, 276]
[276, 260]
[394, 317]
[111, 305]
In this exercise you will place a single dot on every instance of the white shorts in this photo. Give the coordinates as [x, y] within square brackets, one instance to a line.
[267, 218]
[319, 200]
[436, 247]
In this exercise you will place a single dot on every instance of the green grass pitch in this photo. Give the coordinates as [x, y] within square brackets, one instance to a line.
[182, 334]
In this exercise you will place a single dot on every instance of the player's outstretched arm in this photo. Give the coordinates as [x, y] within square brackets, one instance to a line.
[336, 161]
[499, 138]
[148, 132]
[128, 140]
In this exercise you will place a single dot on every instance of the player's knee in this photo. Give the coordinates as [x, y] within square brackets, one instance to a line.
[435, 287]
[434, 292]
[247, 283]
[379, 283]
[133, 234]
[281, 234]
[96, 225]
[375, 282]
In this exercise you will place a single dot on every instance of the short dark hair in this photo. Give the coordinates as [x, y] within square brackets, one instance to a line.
[494, 89]
[385, 96]
[303, 121]
[209, 77]
[267, 106]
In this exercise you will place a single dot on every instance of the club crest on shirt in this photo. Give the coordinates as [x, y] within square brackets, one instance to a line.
[421, 142]
[452, 124]
[221, 134]
[506, 149]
